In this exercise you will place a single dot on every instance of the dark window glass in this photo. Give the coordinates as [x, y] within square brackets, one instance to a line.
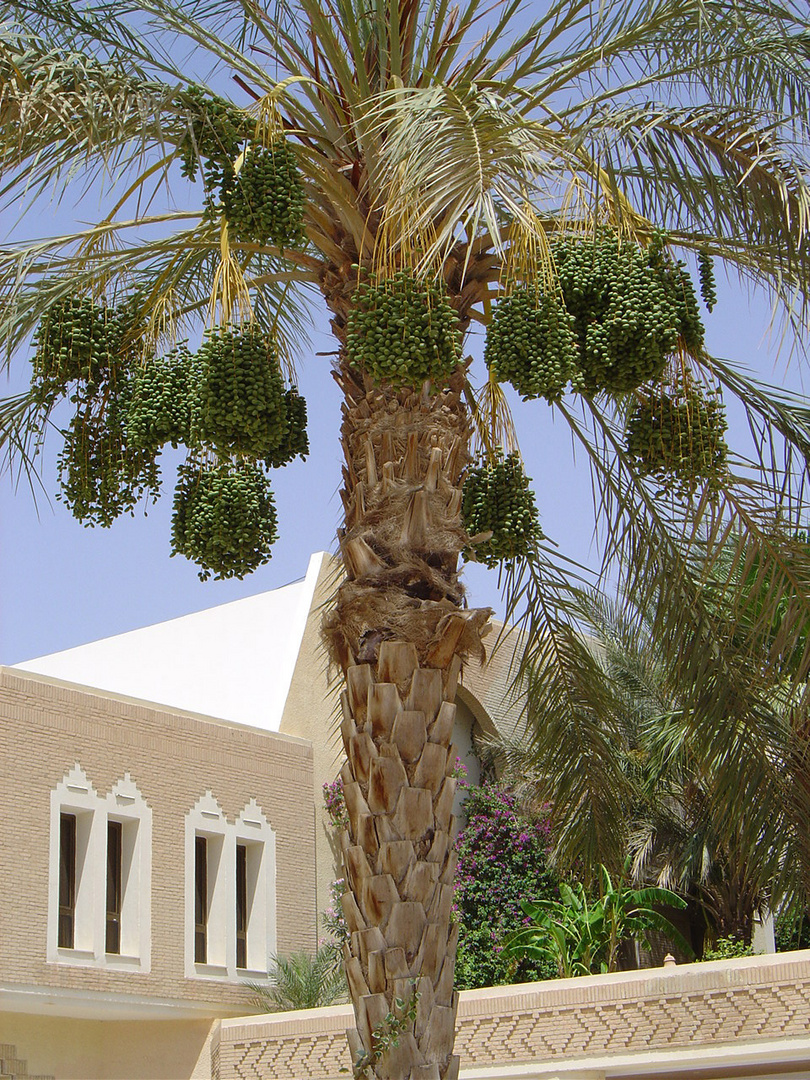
[200, 899]
[67, 881]
[114, 837]
[241, 906]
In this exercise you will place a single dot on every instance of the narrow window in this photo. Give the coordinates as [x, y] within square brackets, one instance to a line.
[200, 899]
[67, 880]
[241, 906]
[114, 864]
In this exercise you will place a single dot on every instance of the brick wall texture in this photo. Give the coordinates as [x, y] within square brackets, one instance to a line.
[724, 1002]
[46, 727]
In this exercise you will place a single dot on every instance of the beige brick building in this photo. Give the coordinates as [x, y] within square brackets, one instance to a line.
[164, 833]
[164, 778]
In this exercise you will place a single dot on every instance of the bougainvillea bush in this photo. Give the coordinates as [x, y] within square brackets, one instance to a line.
[502, 861]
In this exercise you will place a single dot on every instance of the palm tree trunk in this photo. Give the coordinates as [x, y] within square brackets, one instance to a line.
[400, 634]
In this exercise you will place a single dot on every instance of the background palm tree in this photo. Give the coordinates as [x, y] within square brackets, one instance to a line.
[301, 981]
[669, 831]
[451, 144]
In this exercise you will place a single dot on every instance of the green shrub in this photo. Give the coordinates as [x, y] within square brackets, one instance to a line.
[728, 948]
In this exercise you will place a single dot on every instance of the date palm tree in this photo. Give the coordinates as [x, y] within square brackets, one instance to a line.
[451, 144]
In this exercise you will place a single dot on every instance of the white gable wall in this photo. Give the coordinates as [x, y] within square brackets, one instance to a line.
[234, 661]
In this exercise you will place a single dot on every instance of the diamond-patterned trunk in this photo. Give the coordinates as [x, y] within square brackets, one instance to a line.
[400, 634]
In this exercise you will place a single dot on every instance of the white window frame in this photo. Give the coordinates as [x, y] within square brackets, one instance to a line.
[207, 819]
[126, 805]
[252, 829]
[75, 794]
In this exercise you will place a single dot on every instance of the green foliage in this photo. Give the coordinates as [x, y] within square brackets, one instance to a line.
[301, 981]
[727, 948]
[158, 411]
[629, 307]
[582, 935]
[531, 344]
[792, 930]
[402, 330]
[502, 860]
[497, 497]
[224, 517]
[241, 391]
[264, 202]
[677, 437]
[387, 1034]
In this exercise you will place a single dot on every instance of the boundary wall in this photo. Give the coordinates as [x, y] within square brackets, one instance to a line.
[728, 1018]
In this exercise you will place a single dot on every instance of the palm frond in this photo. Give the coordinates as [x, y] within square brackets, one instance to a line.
[567, 701]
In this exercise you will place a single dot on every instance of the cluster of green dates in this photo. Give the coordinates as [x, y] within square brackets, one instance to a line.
[263, 202]
[497, 497]
[403, 330]
[677, 437]
[82, 349]
[227, 403]
[615, 317]
[708, 288]
[531, 344]
[78, 340]
[224, 517]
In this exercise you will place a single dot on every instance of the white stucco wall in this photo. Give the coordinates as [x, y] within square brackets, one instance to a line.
[234, 661]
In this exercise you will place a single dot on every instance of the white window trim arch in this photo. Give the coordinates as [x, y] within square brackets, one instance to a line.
[207, 819]
[126, 805]
[253, 830]
[75, 794]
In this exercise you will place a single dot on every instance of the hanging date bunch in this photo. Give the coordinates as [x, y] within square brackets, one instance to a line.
[497, 497]
[403, 330]
[680, 293]
[72, 345]
[82, 341]
[214, 132]
[294, 441]
[708, 286]
[676, 435]
[224, 517]
[158, 410]
[263, 202]
[250, 171]
[83, 350]
[531, 343]
[629, 307]
[100, 475]
[242, 405]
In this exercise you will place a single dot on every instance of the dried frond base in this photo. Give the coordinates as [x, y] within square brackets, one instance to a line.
[363, 615]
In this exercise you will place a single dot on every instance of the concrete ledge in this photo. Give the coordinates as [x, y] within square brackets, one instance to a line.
[707, 1020]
